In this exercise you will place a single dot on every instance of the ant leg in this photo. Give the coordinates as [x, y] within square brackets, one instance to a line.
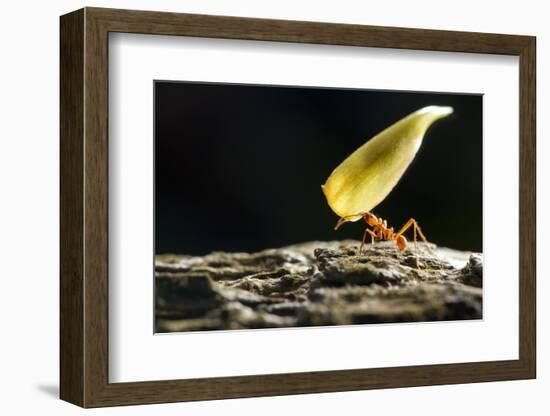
[372, 235]
[416, 228]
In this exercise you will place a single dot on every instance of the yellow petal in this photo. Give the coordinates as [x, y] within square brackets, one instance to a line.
[369, 174]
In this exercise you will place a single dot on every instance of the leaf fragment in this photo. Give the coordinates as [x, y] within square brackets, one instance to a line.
[368, 175]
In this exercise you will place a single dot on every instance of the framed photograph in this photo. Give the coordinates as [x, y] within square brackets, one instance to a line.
[255, 207]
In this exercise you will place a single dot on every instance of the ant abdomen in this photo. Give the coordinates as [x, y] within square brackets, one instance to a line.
[401, 242]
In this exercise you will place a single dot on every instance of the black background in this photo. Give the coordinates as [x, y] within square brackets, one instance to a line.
[240, 167]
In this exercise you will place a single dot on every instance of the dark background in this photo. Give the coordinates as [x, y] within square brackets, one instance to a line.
[240, 167]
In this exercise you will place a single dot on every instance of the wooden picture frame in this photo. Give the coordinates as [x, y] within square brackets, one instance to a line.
[84, 207]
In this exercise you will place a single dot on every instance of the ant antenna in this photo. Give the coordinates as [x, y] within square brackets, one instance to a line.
[345, 219]
[340, 222]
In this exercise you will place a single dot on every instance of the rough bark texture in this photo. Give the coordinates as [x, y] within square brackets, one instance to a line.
[316, 283]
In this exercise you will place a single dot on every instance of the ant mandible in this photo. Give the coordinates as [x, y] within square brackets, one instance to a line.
[380, 231]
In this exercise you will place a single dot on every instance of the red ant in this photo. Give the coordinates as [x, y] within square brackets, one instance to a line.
[380, 231]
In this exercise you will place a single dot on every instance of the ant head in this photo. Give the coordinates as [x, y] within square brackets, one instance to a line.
[371, 219]
[401, 242]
